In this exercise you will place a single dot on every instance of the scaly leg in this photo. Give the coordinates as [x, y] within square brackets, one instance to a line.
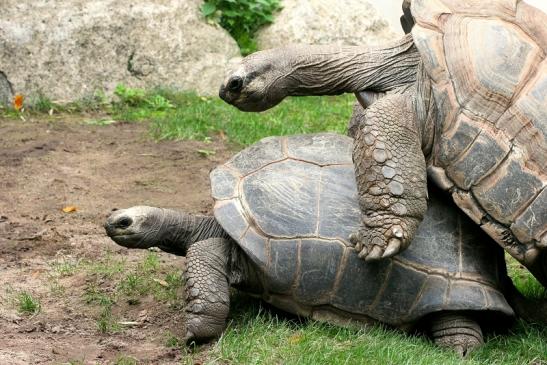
[207, 288]
[391, 177]
[457, 331]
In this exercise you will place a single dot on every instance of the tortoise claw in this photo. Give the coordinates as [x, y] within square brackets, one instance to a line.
[363, 252]
[375, 254]
[393, 247]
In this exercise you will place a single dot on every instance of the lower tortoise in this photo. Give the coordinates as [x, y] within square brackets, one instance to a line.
[284, 209]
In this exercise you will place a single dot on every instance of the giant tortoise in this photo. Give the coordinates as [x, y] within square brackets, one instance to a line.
[284, 210]
[466, 106]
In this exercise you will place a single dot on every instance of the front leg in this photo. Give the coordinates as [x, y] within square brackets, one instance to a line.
[391, 177]
[207, 288]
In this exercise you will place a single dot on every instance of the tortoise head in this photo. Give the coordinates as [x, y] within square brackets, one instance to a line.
[135, 227]
[258, 82]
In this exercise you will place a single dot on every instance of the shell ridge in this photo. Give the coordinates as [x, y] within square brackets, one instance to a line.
[441, 272]
[340, 273]
[298, 270]
[416, 300]
[318, 203]
[382, 289]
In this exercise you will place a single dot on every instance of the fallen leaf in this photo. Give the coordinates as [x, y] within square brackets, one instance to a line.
[161, 282]
[128, 323]
[206, 152]
[295, 338]
[69, 209]
[101, 121]
[18, 102]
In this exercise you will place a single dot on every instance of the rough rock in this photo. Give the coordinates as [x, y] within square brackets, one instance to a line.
[69, 49]
[348, 22]
[6, 93]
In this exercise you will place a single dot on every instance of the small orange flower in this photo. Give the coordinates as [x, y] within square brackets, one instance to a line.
[18, 102]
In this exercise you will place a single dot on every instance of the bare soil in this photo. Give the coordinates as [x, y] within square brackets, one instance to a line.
[46, 165]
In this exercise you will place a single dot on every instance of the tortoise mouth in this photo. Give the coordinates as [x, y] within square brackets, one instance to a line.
[129, 240]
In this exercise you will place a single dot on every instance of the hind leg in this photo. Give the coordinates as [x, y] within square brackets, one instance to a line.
[456, 331]
[207, 288]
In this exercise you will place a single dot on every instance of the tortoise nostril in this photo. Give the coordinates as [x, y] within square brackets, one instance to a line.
[124, 222]
[235, 84]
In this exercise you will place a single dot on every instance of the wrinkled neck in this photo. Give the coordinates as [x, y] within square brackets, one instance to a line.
[332, 70]
[178, 230]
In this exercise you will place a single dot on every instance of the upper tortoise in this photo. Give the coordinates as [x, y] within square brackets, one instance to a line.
[466, 106]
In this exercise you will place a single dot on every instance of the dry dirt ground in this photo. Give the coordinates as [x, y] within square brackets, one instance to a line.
[48, 165]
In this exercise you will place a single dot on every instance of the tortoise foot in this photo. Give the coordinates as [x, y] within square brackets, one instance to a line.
[380, 242]
[456, 331]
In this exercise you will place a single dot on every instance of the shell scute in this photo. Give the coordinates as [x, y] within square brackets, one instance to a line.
[464, 295]
[319, 265]
[351, 295]
[265, 151]
[428, 12]
[486, 70]
[455, 141]
[255, 245]
[504, 9]
[229, 214]
[339, 216]
[532, 21]
[508, 189]
[447, 107]
[321, 149]
[526, 120]
[430, 44]
[532, 223]
[484, 154]
[294, 198]
[431, 298]
[283, 265]
[224, 183]
[393, 302]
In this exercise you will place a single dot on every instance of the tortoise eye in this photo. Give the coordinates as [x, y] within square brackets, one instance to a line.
[124, 222]
[235, 84]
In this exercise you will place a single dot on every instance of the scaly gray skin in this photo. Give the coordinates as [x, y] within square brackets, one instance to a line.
[263, 79]
[389, 140]
[215, 262]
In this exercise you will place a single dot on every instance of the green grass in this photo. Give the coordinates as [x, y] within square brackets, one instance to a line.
[178, 115]
[258, 336]
[112, 281]
[188, 116]
[524, 281]
[200, 118]
[27, 304]
[125, 360]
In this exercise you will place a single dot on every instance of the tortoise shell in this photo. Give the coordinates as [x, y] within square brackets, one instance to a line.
[291, 203]
[487, 66]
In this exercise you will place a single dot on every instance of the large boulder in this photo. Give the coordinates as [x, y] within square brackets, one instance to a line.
[69, 49]
[348, 22]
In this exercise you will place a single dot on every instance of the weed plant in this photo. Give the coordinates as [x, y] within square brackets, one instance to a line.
[241, 18]
[27, 304]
